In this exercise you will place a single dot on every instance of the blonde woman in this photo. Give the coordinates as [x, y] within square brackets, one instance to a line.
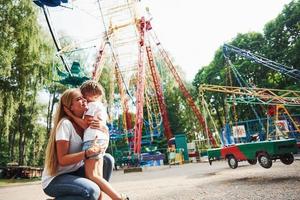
[63, 176]
[93, 92]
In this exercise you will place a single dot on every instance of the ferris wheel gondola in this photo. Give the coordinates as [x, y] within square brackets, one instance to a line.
[74, 74]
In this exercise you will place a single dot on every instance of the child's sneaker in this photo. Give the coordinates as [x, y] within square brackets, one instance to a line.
[124, 197]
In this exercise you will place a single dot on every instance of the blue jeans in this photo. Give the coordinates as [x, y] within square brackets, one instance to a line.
[74, 185]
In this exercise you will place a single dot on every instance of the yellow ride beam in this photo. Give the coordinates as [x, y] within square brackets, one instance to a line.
[264, 95]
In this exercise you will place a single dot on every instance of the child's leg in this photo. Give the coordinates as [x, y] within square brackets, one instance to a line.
[92, 173]
[99, 166]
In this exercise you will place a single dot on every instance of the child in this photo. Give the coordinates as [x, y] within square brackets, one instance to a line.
[93, 93]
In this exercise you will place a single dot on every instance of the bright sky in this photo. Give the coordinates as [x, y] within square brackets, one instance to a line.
[192, 30]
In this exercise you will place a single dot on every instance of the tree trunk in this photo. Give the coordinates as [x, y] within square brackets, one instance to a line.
[21, 133]
[50, 111]
[224, 109]
[5, 125]
[4, 113]
[219, 116]
[11, 143]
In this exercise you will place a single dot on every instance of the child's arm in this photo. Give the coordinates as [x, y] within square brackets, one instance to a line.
[87, 121]
[83, 123]
[97, 123]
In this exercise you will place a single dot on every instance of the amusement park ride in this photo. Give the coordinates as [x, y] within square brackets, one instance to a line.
[131, 47]
[274, 147]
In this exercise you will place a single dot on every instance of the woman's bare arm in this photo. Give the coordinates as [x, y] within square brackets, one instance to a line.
[64, 158]
[83, 123]
[87, 121]
[97, 123]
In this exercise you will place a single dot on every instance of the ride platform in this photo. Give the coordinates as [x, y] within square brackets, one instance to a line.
[262, 151]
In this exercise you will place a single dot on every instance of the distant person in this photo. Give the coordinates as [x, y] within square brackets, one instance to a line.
[93, 92]
[64, 176]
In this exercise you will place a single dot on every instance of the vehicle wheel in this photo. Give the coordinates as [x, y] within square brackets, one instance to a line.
[252, 162]
[287, 159]
[232, 162]
[265, 160]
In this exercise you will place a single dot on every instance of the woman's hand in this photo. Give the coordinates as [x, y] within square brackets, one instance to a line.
[97, 123]
[95, 149]
[68, 112]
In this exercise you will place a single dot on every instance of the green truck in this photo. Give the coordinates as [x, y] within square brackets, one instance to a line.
[262, 151]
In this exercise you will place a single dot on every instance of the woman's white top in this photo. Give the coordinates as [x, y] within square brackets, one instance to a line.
[97, 110]
[65, 131]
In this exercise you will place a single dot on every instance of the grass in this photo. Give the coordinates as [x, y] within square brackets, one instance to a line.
[12, 182]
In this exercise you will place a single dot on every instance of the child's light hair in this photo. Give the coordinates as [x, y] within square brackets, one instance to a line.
[92, 87]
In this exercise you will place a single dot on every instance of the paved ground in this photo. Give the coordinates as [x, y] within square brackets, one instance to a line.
[194, 181]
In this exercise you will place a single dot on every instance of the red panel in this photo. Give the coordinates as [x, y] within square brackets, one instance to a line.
[234, 150]
[140, 91]
[159, 93]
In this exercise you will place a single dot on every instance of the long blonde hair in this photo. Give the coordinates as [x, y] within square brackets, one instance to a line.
[51, 160]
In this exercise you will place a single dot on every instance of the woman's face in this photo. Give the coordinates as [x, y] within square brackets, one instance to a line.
[92, 97]
[79, 104]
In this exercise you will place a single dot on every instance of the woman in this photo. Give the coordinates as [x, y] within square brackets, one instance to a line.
[63, 175]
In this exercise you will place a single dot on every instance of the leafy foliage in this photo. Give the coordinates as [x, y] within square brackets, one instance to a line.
[279, 42]
[25, 66]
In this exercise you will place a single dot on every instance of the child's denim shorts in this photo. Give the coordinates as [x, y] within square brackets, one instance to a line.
[88, 144]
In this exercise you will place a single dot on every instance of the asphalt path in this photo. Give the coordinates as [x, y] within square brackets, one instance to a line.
[193, 181]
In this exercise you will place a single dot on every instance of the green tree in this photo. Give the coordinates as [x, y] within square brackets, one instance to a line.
[279, 42]
[283, 39]
[25, 56]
